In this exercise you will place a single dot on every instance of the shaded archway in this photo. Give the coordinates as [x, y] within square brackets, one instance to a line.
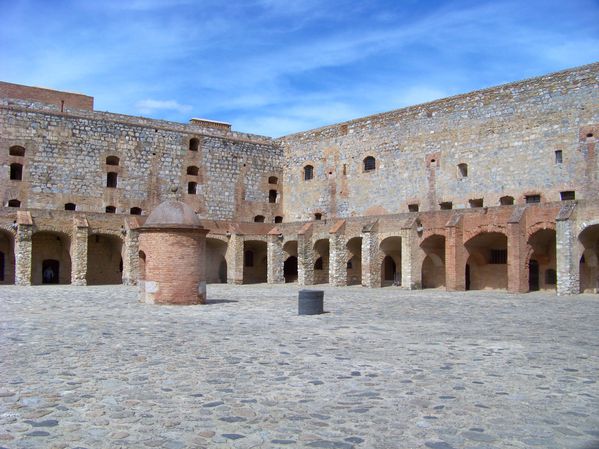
[7, 258]
[104, 259]
[542, 261]
[391, 261]
[53, 248]
[354, 261]
[321, 261]
[589, 263]
[216, 263]
[433, 265]
[486, 267]
[255, 264]
[290, 263]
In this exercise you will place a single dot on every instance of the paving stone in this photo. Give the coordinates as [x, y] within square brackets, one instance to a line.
[242, 374]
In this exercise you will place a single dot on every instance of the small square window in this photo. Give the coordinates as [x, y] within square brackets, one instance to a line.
[568, 195]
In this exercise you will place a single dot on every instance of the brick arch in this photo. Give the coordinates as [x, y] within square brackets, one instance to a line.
[8, 228]
[431, 232]
[222, 238]
[539, 226]
[483, 229]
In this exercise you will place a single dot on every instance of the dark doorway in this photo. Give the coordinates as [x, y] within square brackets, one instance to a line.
[467, 277]
[222, 271]
[290, 269]
[50, 271]
[533, 275]
[389, 268]
[1, 266]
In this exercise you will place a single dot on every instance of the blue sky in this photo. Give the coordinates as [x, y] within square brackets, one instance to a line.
[274, 67]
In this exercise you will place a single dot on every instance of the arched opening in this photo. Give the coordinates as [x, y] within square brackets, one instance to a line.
[16, 172]
[16, 151]
[104, 259]
[112, 160]
[369, 163]
[273, 180]
[14, 203]
[487, 261]
[194, 144]
[589, 264]
[506, 200]
[391, 262]
[7, 258]
[216, 269]
[290, 269]
[110, 209]
[433, 265]
[290, 264]
[135, 211]
[308, 172]
[50, 258]
[256, 271]
[354, 261]
[142, 265]
[321, 261]
[192, 170]
[259, 219]
[272, 196]
[542, 260]
[278, 219]
[70, 206]
[192, 188]
[111, 179]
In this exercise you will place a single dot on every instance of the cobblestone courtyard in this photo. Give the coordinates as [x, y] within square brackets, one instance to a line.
[385, 368]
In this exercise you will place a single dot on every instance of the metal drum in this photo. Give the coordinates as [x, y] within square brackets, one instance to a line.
[310, 302]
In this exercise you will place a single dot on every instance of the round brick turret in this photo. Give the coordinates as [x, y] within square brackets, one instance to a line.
[172, 255]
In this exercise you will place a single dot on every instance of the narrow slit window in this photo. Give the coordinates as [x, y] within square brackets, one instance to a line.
[111, 179]
[192, 188]
[558, 157]
[462, 170]
[272, 196]
[16, 172]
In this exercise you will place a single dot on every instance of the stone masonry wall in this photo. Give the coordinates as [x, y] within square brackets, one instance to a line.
[507, 136]
[65, 155]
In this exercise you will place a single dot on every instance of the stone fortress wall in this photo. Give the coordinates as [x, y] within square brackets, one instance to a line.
[486, 190]
[507, 137]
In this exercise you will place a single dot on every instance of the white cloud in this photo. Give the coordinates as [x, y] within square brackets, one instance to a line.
[150, 106]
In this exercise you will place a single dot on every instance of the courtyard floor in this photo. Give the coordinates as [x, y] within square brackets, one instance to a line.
[90, 367]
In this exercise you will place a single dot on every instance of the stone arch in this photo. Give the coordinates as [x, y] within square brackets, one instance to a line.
[50, 253]
[486, 265]
[540, 256]
[588, 241]
[216, 268]
[321, 269]
[354, 261]
[256, 271]
[290, 268]
[7, 257]
[104, 259]
[433, 266]
[389, 260]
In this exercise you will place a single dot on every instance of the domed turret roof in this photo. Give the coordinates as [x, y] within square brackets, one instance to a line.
[172, 214]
